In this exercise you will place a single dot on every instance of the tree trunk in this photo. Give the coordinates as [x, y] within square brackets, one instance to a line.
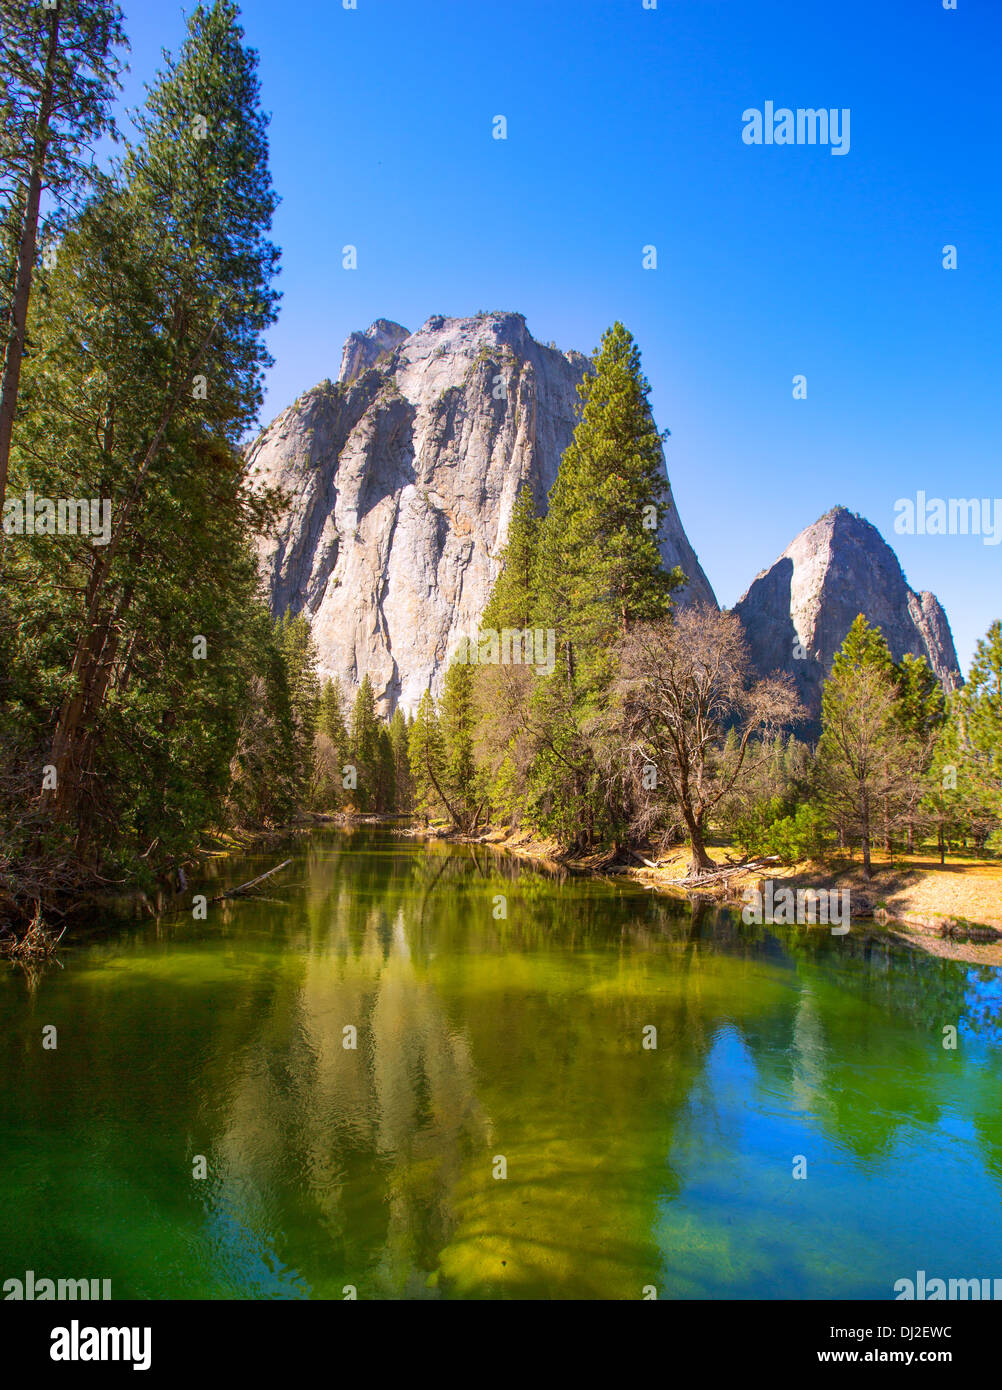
[700, 862]
[865, 836]
[18, 326]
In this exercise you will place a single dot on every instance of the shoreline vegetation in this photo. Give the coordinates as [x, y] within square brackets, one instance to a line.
[916, 903]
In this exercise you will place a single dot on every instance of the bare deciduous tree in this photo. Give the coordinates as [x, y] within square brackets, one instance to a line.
[684, 682]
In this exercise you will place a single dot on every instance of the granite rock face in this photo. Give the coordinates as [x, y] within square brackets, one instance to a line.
[796, 613]
[402, 476]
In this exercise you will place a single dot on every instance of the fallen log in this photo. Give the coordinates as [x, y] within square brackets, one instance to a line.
[245, 887]
[649, 863]
[698, 880]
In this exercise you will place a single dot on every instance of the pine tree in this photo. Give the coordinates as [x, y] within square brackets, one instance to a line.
[330, 714]
[299, 653]
[979, 713]
[598, 571]
[921, 713]
[59, 71]
[864, 770]
[386, 782]
[399, 738]
[458, 782]
[365, 746]
[513, 599]
[600, 566]
[427, 759]
[158, 306]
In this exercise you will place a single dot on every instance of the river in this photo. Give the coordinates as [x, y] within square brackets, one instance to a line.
[506, 1125]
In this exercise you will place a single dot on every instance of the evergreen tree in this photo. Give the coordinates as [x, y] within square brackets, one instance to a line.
[459, 781]
[979, 716]
[59, 71]
[863, 756]
[427, 759]
[330, 714]
[921, 713]
[160, 300]
[513, 599]
[386, 782]
[399, 738]
[365, 746]
[600, 566]
[299, 654]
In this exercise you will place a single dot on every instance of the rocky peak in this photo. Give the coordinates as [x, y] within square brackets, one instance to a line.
[796, 614]
[364, 350]
[402, 477]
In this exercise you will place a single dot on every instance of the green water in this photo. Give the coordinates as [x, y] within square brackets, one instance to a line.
[482, 1038]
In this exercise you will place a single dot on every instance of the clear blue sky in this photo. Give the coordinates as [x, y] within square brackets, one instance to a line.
[624, 129]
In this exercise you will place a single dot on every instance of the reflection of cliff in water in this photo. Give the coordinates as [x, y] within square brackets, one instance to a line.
[468, 1050]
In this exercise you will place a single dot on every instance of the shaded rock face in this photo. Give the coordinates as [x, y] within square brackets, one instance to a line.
[797, 613]
[402, 477]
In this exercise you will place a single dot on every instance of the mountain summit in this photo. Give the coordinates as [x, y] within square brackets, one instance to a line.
[402, 477]
[796, 614]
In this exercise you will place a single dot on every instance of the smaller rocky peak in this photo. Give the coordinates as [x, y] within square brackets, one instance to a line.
[364, 350]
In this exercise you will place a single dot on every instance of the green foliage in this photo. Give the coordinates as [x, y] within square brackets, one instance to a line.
[427, 759]
[513, 599]
[979, 719]
[600, 567]
[365, 747]
[804, 834]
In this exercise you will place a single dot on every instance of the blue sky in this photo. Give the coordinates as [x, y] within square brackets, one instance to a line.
[624, 130]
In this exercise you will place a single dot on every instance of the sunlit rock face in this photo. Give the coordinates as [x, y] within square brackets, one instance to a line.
[797, 613]
[402, 476]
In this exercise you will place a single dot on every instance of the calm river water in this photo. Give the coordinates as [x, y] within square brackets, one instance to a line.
[500, 1130]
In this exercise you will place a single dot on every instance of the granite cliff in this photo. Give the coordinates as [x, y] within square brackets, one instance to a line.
[402, 476]
[797, 612]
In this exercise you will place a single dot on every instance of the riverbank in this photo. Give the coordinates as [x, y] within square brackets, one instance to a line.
[952, 911]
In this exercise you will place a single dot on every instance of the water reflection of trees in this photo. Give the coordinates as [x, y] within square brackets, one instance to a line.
[477, 1036]
[481, 1036]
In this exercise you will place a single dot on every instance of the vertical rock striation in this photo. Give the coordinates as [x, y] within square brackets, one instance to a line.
[402, 476]
[796, 613]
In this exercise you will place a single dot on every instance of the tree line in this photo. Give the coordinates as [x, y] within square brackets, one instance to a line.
[145, 692]
[652, 728]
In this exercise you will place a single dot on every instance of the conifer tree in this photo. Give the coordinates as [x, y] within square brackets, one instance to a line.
[979, 714]
[863, 762]
[600, 566]
[299, 654]
[330, 714]
[399, 738]
[427, 759]
[365, 746]
[59, 71]
[457, 718]
[921, 713]
[160, 300]
[513, 599]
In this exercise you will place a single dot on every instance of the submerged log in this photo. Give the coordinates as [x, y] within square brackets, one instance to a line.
[245, 887]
